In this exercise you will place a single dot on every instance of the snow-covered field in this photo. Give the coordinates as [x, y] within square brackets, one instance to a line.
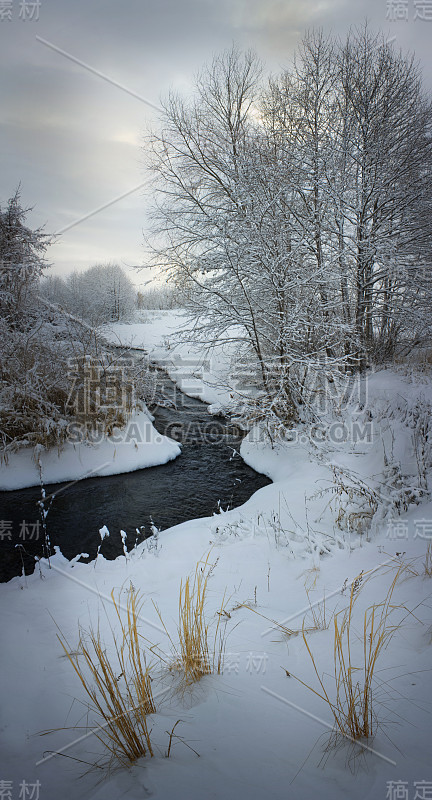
[337, 509]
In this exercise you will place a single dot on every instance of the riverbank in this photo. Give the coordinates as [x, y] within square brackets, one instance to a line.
[201, 371]
[136, 446]
[348, 513]
[139, 445]
[209, 474]
[296, 547]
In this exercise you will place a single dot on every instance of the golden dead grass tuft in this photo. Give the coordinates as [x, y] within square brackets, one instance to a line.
[198, 652]
[117, 684]
[318, 614]
[351, 700]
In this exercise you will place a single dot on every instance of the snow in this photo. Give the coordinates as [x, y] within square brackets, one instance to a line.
[249, 741]
[257, 731]
[202, 372]
[139, 445]
[198, 374]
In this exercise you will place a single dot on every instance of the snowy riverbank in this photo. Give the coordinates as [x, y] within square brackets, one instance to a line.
[137, 446]
[254, 730]
[199, 371]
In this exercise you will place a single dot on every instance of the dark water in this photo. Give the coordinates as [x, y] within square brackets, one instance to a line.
[209, 472]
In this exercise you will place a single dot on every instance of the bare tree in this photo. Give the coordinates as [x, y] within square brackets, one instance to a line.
[355, 116]
[293, 219]
[389, 162]
[236, 211]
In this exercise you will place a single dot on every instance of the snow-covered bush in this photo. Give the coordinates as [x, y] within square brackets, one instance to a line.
[44, 354]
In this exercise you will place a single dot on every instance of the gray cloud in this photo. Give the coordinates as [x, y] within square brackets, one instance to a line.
[74, 141]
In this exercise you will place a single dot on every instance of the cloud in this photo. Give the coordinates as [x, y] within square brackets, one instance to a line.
[74, 141]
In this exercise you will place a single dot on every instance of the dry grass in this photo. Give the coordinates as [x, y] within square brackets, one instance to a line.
[117, 684]
[318, 618]
[351, 697]
[311, 577]
[288, 632]
[428, 561]
[198, 652]
[318, 614]
[357, 501]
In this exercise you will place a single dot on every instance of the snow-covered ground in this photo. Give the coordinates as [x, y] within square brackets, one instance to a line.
[338, 508]
[136, 446]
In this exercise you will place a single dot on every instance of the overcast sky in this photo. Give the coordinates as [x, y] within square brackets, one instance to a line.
[74, 141]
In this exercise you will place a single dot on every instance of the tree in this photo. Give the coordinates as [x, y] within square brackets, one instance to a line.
[32, 387]
[355, 117]
[102, 293]
[232, 211]
[22, 259]
[297, 220]
[41, 346]
[389, 164]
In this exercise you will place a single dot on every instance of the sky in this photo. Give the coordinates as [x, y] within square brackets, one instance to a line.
[75, 141]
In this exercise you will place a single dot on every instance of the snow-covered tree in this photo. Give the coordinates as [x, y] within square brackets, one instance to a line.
[354, 116]
[297, 219]
[233, 213]
[102, 293]
[45, 352]
[22, 260]
[389, 160]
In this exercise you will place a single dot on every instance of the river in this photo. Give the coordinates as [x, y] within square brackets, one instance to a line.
[209, 473]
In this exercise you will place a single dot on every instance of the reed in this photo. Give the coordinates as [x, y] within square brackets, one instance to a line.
[117, 684]
[199, 651]
[351, 698]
